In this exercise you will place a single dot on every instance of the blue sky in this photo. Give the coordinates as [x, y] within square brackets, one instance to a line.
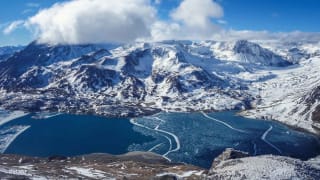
[254, 15]
[273, 15]
[12, 10]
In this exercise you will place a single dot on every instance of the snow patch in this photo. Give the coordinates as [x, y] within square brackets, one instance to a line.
[89, 172]
[8, 135]
[7, 117]
[182, 174]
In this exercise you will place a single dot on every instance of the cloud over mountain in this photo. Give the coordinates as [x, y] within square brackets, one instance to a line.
[98, 21]
[94, 21]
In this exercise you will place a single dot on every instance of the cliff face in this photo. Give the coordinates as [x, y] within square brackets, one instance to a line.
[141, 165]
[315, 98]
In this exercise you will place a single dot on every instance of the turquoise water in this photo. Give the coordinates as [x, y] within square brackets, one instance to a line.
[193, 138]
[71, 135]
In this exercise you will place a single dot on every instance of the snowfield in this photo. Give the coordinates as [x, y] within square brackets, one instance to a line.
[8, 135]
[7, 117]
[282, 97]
[264, 167]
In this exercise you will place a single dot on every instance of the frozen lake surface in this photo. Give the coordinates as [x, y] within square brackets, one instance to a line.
[195, 138]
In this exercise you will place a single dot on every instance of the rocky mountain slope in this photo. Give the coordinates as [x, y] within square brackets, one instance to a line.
[230, 164]
[7, 51]
[237, 165]
[272, 81]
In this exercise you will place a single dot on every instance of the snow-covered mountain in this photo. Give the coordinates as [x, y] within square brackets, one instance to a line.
[248, 52]
[7, 51]
[143, 78]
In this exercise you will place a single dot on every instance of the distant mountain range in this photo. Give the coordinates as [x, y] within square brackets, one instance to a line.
[267, 79]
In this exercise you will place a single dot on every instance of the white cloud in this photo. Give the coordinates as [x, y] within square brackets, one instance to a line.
[162, 30]
[197, 13]
[13, 26]
[192, 20]
[195, 20]
[94, 21]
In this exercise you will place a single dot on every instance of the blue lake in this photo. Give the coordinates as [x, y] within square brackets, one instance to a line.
[71, 135]
[194, 138]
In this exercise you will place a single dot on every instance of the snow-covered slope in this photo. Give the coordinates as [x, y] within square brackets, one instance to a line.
[289, 95]
[265, 167]
[143, 78]
[248, 52]
[160, 75]
[233, 164]
[7, 51]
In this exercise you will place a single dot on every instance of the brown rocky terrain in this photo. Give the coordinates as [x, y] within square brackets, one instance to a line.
[231, 164]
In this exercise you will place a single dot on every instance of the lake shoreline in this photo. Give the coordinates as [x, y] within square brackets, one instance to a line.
[156, 111]
[250, 131]
[146, 165]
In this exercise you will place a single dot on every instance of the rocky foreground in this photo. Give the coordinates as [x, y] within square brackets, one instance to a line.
[142, 165]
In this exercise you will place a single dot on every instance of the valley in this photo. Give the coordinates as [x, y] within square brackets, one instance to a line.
[267, 80]
[71, 100]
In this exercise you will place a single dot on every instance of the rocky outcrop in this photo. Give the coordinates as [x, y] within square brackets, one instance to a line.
[312, 107]
[135, 165]
[316, 115]
[231, 164]
[237, 165]
[228, 154]
[254, 53]
[314, 100]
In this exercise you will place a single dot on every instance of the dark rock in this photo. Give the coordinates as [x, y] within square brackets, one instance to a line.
[229, 153]
[57, 158]
[166, 177]
[244, 47]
